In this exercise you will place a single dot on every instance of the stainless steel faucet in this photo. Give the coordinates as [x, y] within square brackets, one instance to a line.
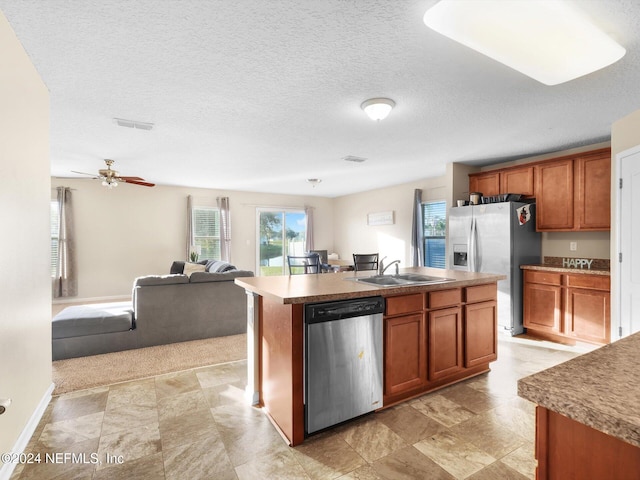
[382, 266]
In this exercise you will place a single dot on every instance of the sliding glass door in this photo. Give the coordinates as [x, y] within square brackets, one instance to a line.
[280, 233]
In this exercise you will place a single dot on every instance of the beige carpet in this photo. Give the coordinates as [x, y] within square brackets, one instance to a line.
[109, 368]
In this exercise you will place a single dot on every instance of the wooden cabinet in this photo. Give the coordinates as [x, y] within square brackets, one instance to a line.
[436, 338]
[507, 180]
[593, 186]
[574, 193]
[518, 180]
[567, 449]
[567, 307]
[554, 195]
[485, 183]
[445, 342]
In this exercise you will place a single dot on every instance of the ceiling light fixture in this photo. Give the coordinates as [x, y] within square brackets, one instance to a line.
[549, 41]
[378, 108]
[121, 122]
[314, 181]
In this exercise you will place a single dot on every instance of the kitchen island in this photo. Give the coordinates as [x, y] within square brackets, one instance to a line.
[434, 335]
[588, 414]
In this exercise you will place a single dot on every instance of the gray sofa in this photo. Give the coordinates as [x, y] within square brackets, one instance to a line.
[164, 309]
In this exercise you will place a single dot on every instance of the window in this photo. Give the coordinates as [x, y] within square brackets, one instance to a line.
[55, 241]
[205, 222]
[280, 233]
[434, 219]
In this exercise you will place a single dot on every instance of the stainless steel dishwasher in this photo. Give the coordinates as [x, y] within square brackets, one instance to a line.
[343, 360]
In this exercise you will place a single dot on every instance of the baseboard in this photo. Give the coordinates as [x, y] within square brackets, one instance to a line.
[80, 301]
[23, 440]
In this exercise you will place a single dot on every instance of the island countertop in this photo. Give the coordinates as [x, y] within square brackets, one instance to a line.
[599, 389]
[292, 289]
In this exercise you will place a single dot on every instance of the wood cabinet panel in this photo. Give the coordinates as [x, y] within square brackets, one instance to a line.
[445, 342]
[480, 333]
[405, 357]
[593, 185]
[554, 195]
[549, 278]
[597, 282]
[404, 304]
[566, 449]
[480, 293]
[518, 180]
[587, 315]
[543, 307]
[485, 183]
[445, 298]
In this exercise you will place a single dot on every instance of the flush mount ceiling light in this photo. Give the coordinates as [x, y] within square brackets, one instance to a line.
[550, 41]
[314, 181]
[378, 108]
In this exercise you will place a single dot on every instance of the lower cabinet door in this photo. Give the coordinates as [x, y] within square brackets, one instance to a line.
[543, 307]
[588, 315]
[480, 333]
[405, 358]
[445, 342]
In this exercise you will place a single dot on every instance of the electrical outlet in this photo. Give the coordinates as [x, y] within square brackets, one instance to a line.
[573, 246]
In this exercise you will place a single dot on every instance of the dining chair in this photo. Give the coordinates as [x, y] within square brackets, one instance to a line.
[365, 261]
[324, 260]
[303, 264]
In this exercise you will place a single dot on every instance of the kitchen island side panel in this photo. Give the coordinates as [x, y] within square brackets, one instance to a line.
[282, 367]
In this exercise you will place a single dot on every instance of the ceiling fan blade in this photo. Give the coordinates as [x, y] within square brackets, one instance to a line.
[85, 173]
[136, 181]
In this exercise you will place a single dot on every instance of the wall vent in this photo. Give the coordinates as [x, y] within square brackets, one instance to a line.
[353, 158]
[121, 122]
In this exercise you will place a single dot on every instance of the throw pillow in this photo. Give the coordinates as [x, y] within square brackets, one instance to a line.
[189, 268]
[218, 266]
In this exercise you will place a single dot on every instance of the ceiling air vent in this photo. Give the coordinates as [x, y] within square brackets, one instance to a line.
[353, 158]
[121, 122]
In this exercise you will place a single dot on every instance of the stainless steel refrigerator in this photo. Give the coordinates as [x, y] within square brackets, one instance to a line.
[490, 238]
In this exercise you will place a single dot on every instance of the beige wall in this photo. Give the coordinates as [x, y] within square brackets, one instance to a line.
[25, 293]
[130, 231]
[353, 235]
[625, 134]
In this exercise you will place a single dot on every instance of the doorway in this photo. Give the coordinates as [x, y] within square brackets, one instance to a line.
[280, 233]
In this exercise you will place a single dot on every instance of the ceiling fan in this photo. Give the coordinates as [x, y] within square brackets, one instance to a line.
[111, 178]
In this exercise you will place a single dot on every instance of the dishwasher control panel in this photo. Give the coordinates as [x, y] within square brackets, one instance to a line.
[325, 311]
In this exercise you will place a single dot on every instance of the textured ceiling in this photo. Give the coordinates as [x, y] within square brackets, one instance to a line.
[260, 95]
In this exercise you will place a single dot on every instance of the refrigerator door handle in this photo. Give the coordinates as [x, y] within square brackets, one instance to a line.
[472, 246]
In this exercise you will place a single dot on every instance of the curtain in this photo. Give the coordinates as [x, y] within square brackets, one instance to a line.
[65, 282]
[190, 240]
[308, 239]
[225, 229]
[417, 239]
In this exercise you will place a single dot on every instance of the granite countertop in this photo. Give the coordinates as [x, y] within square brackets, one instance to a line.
[600, 389]
[292, 289]
[555, 268]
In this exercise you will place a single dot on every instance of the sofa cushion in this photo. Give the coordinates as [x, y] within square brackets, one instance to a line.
[202, 277]
[81, 320]
[160, 280]
[190, 268]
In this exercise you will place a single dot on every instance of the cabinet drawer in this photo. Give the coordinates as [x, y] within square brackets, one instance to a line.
[481, 293]
[597, 282]
[445, 298]
[549, 278]
[404, 304]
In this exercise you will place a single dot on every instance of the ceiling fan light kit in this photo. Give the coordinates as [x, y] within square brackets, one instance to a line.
[378, 108]
[549, 41]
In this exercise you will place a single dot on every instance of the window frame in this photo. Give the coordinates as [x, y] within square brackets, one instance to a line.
[440, 215]
[198, 209]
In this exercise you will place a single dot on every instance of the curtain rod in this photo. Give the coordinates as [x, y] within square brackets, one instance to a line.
[281, 207]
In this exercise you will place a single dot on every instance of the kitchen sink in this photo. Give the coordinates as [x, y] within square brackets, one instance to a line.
[401, 279]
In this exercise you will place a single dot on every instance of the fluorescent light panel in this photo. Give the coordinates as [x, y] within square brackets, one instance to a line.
[548, 40]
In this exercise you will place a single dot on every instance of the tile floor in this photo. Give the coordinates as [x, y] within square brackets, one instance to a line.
[195, 425]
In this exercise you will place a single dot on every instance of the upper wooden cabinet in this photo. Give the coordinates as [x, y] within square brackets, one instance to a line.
[507, 180]
[574, 193]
